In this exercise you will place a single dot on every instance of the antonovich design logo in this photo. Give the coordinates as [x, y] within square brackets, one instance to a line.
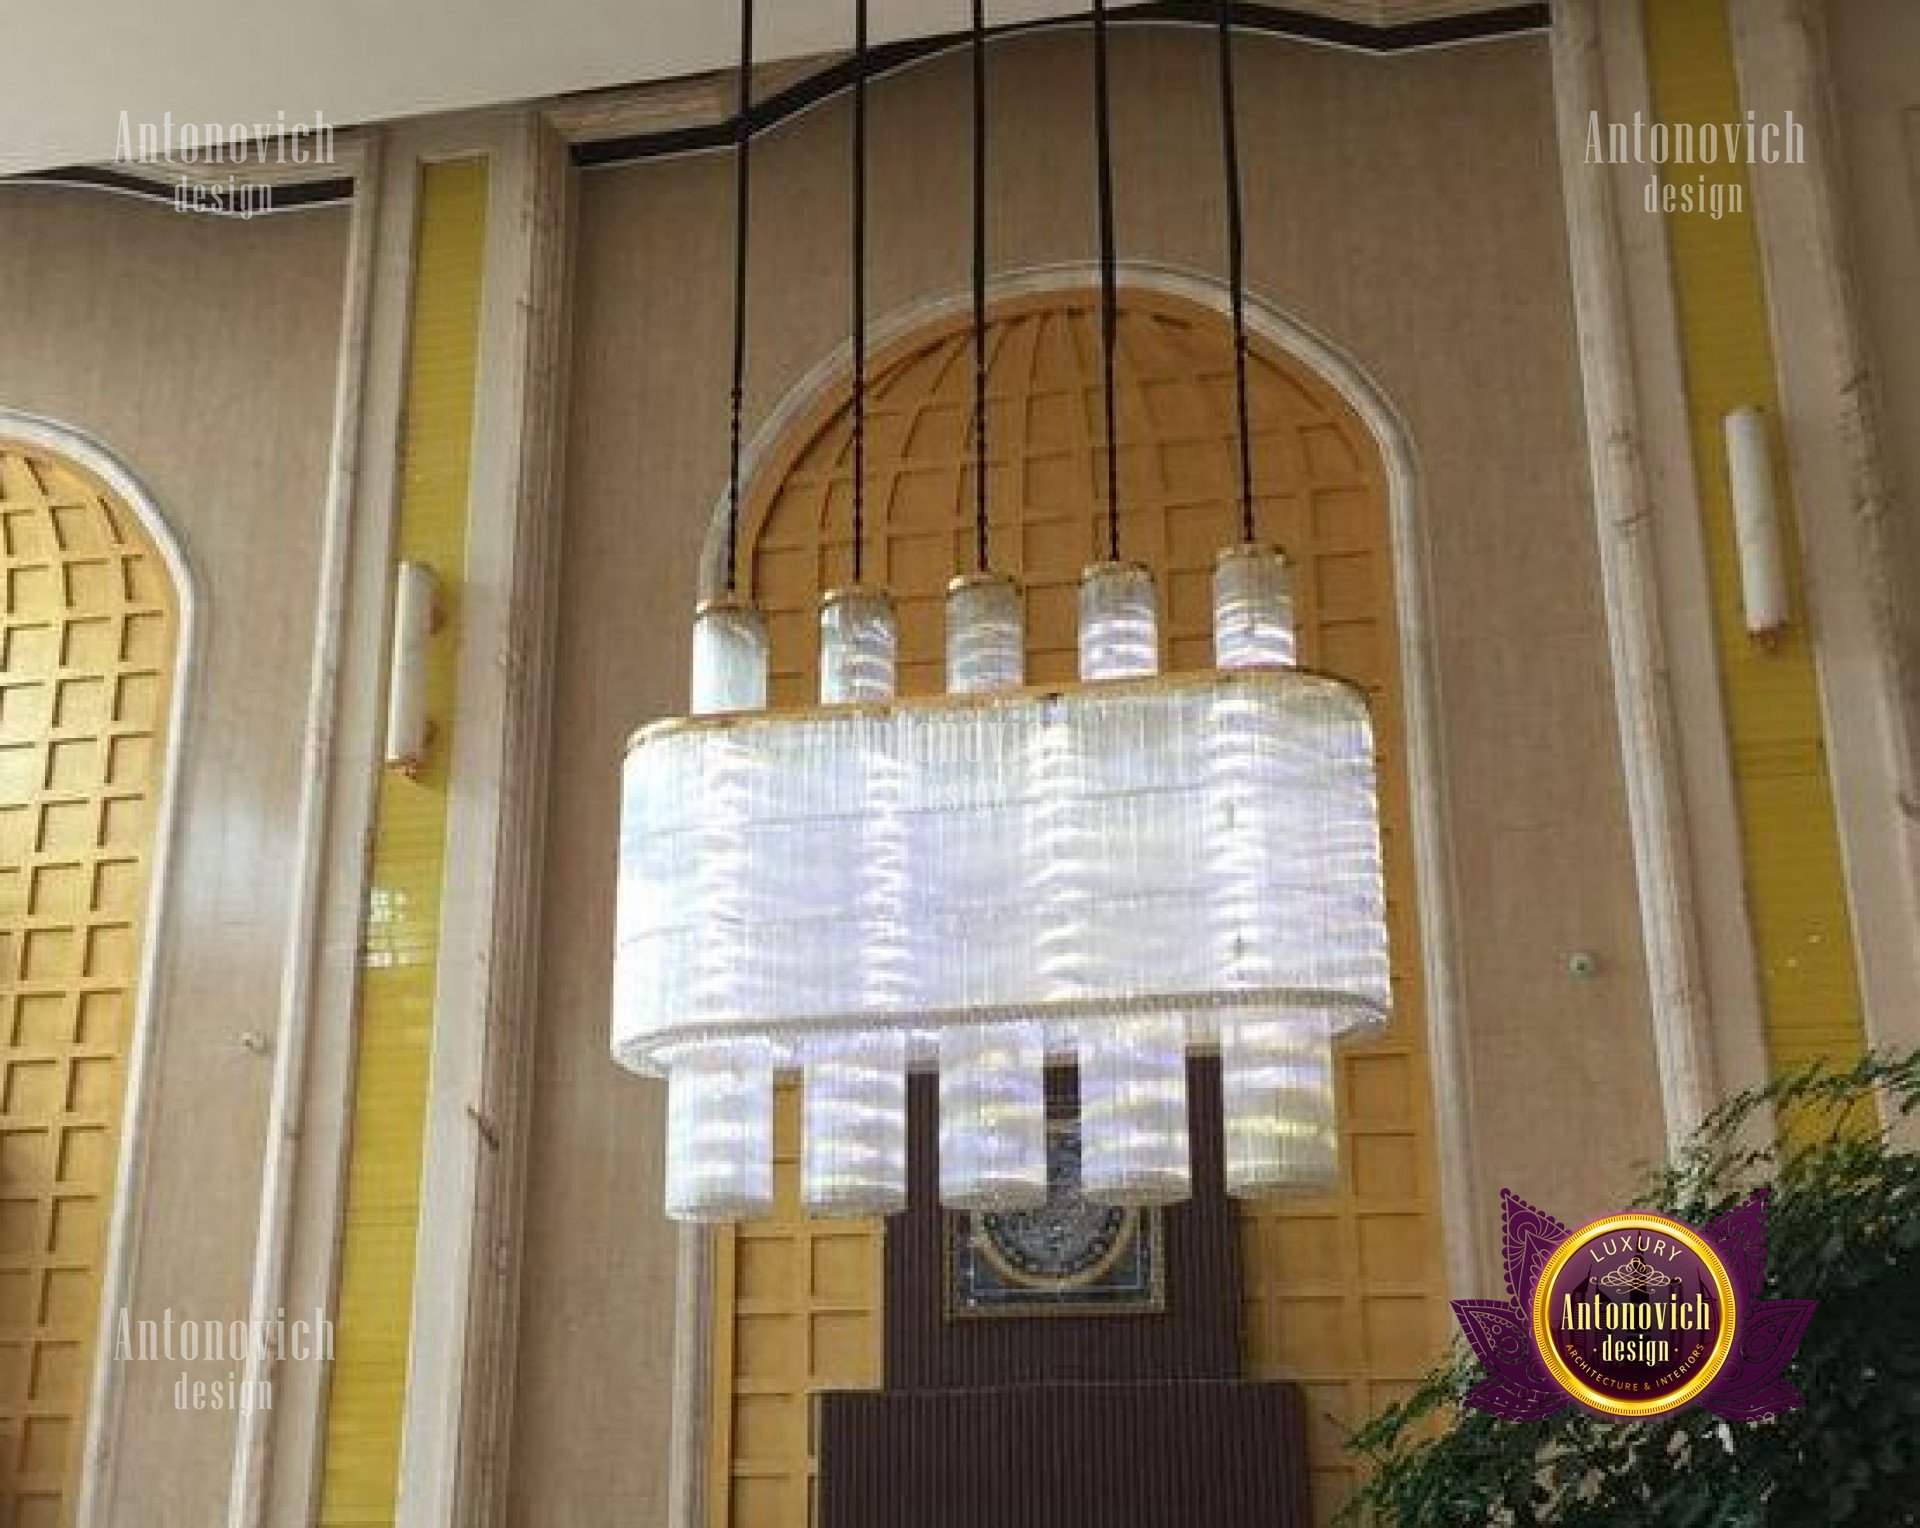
[1634, 1315]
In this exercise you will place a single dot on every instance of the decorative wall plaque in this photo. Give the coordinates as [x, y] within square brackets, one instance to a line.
[1070, 1257]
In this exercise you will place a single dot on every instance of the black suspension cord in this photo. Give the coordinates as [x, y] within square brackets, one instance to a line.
[1109, 280]
[859, 287]
[742, 204]
[1236, 261]
[980, 285]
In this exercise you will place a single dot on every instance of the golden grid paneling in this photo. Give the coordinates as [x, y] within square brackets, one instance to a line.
[1342, 1293]
[800, 1312]
[87, 636]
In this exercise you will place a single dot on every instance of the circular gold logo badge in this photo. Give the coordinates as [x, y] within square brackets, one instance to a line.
[1634, 1315]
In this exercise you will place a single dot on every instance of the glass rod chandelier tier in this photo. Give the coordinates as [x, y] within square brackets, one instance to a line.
[1112, 876]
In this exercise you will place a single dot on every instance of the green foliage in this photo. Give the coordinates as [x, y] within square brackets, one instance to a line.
[1844, 1230]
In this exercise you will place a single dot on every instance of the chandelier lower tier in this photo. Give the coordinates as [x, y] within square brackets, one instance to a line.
[1111, 875]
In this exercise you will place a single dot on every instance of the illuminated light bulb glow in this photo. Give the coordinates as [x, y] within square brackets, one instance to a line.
[1252, 608]
[1133, 1111]
[1278, 1097]
[993, 1117]
[1119, 622]
[720, 1132]
[853, 1124]
[729, 658]
[859, 646]
[986, 635]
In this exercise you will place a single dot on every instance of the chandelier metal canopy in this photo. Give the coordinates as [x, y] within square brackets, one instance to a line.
[1112, 875]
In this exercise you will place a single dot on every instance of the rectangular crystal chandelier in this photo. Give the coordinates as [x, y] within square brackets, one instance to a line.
[1114, 874]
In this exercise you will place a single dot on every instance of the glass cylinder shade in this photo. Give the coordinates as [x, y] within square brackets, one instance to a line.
[1119, 622]
[986, 635]
[720, 1132]
[729, 658]
[859, 646]
[1133, 1111]
[1252, 608]
[1278, 1102]
[853, 1124]
[993, 1117]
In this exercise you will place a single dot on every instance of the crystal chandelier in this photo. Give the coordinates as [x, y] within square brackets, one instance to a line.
[1112, 875]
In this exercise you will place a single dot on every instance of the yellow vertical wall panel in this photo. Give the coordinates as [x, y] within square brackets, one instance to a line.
[88, 625]
[402, 936]
[1795, 885]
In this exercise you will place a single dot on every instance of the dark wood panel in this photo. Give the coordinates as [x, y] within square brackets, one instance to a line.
[1223, 1455]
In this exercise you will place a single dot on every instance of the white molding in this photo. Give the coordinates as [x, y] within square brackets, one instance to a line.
[1729, 955]
[1624, 516]
[155, 181]
[690, 1419]
[707, 100]
[1831, 418]
[1459, 1200]
[351, 148]
[325, 748]
[633, 111]
[458, 1405]
[123, 1243]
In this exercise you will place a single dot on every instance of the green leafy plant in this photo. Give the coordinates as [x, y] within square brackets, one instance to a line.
[1844, 1230]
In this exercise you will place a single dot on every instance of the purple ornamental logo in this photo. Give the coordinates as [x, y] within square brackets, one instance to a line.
[1634, 1315]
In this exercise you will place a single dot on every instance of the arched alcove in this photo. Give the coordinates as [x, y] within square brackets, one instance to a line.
[1342, 1293]
[94, 606]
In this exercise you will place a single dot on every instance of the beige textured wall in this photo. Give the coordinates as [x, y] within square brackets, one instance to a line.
[1409, 209]
[1874, 50]
[202, 353]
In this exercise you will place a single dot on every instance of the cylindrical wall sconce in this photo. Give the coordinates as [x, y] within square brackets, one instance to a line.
[416, 602]
[1756, 526]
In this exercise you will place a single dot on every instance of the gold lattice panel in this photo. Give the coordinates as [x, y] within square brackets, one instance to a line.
[86, 669]
[797, 1310]
[1343, 1294]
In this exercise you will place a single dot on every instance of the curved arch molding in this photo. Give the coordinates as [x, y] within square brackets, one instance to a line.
[1338, 488]
[96, 628]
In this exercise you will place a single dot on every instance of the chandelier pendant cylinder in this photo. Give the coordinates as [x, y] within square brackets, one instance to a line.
[1278, 1098]
[1252, 607]
[859, 646]
[853, 1101]
[719, 1098]
[1133, 1111]
[986, 635]
[729, 657]
[993, 1104]
[1119, 622]
[853, 1141]
[993, 1116]
[720, 1132]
